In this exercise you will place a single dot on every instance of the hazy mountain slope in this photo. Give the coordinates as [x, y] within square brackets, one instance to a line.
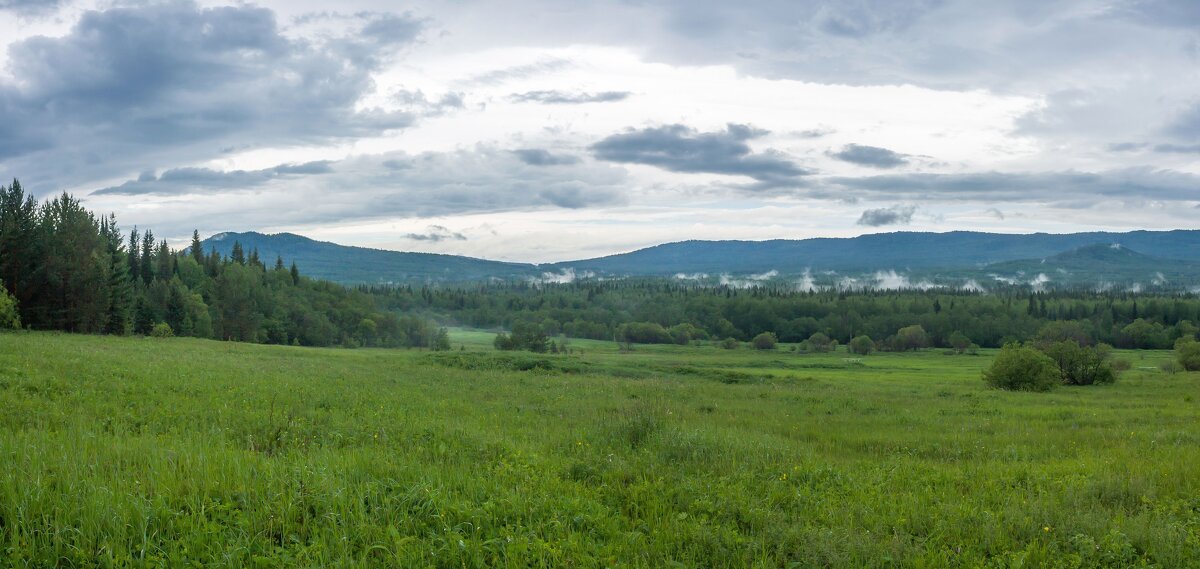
[953, 254]
[899, 251]
[348, 264]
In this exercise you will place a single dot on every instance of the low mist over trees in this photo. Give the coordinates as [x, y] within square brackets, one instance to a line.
[66, 269]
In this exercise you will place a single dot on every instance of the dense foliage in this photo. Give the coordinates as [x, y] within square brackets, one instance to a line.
[1022, 368]
[661, 311]
[68, 270]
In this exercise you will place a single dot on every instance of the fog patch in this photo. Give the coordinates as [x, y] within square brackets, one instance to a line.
[565, 276]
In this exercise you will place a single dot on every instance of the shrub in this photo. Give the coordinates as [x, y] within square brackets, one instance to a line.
[911, 338]
[1019, 368]
[959, 342]
[161, 330]
[1122, 365]
[730, 344]
[645, 333]
[10, 318]
[525, 336]
[1187, 353]
[1081, 365]
[765, 341]
[441, 341]
[819, 342]
[862, 345]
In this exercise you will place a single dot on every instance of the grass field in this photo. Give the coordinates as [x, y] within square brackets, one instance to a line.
[176, 452]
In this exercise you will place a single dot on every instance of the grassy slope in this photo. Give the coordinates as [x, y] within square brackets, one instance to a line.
[122, 451]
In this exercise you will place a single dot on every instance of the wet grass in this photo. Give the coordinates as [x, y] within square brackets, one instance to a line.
[140, 452]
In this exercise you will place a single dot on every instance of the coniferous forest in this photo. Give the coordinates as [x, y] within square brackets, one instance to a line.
[71, 270]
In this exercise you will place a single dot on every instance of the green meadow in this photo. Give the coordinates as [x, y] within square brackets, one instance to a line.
[121, 451]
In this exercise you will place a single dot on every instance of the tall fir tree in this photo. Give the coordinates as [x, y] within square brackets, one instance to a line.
[196, 248]
[147, 261]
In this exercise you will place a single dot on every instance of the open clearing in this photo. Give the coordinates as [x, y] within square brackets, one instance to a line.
[130, 451]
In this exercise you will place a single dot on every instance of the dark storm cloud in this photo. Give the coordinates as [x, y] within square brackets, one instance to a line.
[542, 157]
[678, 148]
[895, 215]
[436, 234]
[205, 180]
[565, 98]
[871, 156]
[174, 82]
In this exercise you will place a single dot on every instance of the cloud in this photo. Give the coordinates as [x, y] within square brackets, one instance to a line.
[205, 180]
[504, 75]
[436, 234]
[541, 157]
[1069, 188]
[483, 179]
[1177, 148]
[871, 156]
[417, 103]
[895, 215]
[393, 28]
[678, 148]
[30, 7]
[565, 98]
[175, 82]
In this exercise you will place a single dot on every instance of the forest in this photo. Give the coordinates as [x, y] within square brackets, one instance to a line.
[69, 269]
[66, 268]
[664, 311]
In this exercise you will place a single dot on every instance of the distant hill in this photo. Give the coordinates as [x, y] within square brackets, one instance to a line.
[953, 255]
[1112, 262]
[881, 251]
[347, 264]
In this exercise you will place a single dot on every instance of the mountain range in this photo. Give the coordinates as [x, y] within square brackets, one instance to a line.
[1150, 257]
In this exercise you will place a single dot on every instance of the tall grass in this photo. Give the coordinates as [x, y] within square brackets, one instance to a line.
[175, 452]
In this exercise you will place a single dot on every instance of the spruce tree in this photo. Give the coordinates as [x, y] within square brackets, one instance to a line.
[147, 261]
[196, 249]
[236, 254]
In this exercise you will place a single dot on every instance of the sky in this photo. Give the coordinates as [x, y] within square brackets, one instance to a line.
[543, 131]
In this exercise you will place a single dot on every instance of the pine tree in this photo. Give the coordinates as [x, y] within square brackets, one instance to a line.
[236, 254]
[163, 260]
[20, 246]
[134, 255]
[196, 249]
[295, 274]
[120, 286]
[279, 263]
[146, 264]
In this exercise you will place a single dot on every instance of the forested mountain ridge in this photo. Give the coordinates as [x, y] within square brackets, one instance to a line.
[349, 264]
[957, 254]
[879, 251]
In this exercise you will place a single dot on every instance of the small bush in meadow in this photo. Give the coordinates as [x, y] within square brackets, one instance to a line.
[162, 330]
[1187, 353]
[730, 344]
[1020, 368]
[765, 341]
[862, 345]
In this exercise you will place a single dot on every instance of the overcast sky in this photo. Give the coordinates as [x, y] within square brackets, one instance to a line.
[543, 131]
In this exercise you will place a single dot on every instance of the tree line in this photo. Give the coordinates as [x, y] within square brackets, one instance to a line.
[663, 311]
[64, 268]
